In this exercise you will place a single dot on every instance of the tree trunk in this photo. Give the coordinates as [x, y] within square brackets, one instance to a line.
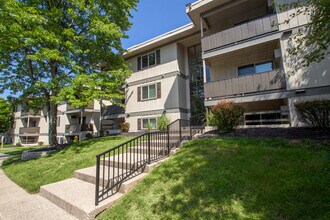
[52, 129]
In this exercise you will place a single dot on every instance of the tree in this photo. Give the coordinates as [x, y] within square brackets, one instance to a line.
[311, 42]
[6, 115]
[47, 46]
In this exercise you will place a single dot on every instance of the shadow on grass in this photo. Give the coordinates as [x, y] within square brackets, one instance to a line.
[242, 178]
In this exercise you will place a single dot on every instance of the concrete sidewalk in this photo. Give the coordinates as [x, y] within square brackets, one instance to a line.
[16, 203]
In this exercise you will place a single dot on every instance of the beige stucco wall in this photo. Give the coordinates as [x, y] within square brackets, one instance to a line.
[169, 96]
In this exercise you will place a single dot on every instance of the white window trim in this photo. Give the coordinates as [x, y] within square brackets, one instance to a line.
[148, 122]
[147, 54]
[148, 92]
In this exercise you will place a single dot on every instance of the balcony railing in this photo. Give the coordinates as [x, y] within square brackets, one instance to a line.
[241, 32]
[90, 106]
[113, 110]
[258, 82]
[29, 130]
[30, 113]
[78, 128]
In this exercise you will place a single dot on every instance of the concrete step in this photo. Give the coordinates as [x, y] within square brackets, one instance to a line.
[77, 197]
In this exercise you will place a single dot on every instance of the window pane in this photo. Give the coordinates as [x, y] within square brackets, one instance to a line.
[152, 59]
[144, 123]
[245, 70]
[153, 123]
[152, 91]
[264, 67]
[145, 61]
[145, 92]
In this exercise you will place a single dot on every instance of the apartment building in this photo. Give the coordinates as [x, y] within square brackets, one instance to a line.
[31, 127]
[233, 50]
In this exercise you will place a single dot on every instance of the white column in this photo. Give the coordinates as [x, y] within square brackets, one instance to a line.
[204, 71]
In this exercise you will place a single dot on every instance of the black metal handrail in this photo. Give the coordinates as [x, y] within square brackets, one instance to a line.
[130, 158]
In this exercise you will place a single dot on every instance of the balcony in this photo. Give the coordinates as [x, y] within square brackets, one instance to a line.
[30, 113]
[90, 106]
[113, 110]
[78, 128]
[258, 82]
[29, 130]
[241, 32]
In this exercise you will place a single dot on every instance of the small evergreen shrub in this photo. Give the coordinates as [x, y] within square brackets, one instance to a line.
[18, 144]
[125, 127]
[75, 139]
[163, 122]
[226, 115]
[315, 113]
[40, 143]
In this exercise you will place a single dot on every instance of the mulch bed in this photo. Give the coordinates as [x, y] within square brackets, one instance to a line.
[288, 133]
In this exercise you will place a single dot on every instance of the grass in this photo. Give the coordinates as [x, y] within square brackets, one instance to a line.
[58, 166]
[17, 150]
[234, 178]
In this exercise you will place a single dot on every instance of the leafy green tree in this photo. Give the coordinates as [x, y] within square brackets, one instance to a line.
[46, 47]
[311, 42]
[6, 115]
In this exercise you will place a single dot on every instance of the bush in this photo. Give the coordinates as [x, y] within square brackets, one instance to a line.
[89, 136]
[227, 115]
[163, 122]
[75, 139]
[18, 144]
[314, 113]
[149, 126]
[40, 143]
[125, 127]
[102, 133]
[210, 119]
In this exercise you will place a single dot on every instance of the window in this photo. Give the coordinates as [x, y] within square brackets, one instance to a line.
[255, 68]
[58, 121]
[149, 92]
[148, 60]
[151, 121]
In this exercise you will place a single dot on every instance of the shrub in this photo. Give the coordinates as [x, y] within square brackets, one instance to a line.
[227, 115]
[315, 113]
[18, 144]
[40, 143]
[102, 133]
[124, 127]
[163, 122]
[149, 126]
[210, 119]
[89, 136]
[75, 139]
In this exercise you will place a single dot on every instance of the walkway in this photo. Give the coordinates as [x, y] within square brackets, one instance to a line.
[16, 203]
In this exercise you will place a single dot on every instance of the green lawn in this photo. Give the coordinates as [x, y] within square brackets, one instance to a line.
[58, 166]
[234, 178]
[17, 150]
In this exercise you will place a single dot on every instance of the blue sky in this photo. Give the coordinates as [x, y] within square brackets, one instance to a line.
[153, 17]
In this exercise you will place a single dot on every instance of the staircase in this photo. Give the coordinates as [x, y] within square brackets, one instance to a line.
[94, 189]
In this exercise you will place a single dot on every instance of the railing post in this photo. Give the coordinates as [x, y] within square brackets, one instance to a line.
[149, 150]
[180, 130]
[190, 128]
[97, 183]
[168, 140]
